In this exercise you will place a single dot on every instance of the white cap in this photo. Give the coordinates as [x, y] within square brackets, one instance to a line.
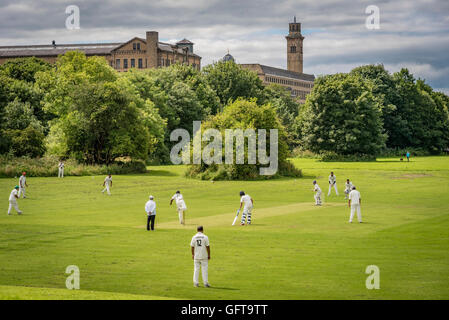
[151, 197]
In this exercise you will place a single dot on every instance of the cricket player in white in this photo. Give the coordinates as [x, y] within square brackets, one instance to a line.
[150, 209]
[107, 184]
[180, 205]
[22, 184]
[332, 183]
[317, 195]
[348, 188]
[201, 256]
[248, 203]
[355, 200]
[13, 200]
[61, 169]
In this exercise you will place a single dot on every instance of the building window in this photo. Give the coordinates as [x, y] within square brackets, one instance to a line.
[146, 63]
[293, 49]
[140, 63]
[117, 64]
[168, 63]
[134, 46]
[133, 63]
[125, 63]
[138, 46]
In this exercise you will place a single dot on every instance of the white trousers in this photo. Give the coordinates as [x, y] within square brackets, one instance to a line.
[21, 191]
[317, 198]
[61, 173]
[106, 189]
[203, 264]
[14, 204]
[330, 188]
[181, 215]
[355, 207]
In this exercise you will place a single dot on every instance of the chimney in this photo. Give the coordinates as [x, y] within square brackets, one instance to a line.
[152, 44]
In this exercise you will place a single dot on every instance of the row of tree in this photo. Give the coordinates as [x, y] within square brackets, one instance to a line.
[83, 108]
[368, 110]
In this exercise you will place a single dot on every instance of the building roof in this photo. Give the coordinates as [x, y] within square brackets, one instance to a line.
[90, 49]
[286, 73]
[50, 50]
[184, 41]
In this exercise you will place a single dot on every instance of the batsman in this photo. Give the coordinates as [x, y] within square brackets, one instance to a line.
[247, 202]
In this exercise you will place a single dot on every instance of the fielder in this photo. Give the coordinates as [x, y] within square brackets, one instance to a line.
[249, 204]
[201, 256]
[22, 184]
[348, 188]
[332, 183]
[13, 201]
[61, 169]
[317, 195]
[355, 200]
[107, 184]
[150, 209]
[180, 205]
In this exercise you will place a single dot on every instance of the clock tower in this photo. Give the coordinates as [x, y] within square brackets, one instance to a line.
[294, 47]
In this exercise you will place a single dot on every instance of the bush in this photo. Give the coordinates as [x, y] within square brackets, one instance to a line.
[397, 152]
[11, 167]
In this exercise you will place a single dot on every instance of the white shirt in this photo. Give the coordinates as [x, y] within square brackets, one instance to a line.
[348, 185]
[107, 180]
[317, 188]
[179, 201]
[332, 179]
[246, 199]
[22, 181]
[150, 206]
[61, 165]
[355, 197]
[200, 241]
[12, 195]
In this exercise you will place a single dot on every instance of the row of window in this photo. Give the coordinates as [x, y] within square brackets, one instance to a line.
[288, 82]
[133, 63]
[167, 62]
[299, 93]
[293, 49]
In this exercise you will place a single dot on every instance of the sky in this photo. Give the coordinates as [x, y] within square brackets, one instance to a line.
[412, 33]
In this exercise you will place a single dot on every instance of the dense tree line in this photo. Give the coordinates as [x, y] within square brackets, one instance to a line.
[83, 109]
[369, 110]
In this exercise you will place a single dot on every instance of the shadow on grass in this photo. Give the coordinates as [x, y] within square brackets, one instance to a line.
[161, 173]
[222, 288]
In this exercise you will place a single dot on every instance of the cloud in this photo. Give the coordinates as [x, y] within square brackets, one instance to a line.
[413, 34]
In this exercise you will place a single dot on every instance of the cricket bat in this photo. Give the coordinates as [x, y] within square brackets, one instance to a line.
[236, 216]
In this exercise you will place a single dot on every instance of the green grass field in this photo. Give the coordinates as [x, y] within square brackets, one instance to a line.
[293, 250]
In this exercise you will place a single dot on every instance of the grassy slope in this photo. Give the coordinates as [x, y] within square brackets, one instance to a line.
[293, 251]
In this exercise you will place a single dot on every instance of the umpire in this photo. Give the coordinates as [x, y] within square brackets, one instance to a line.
[150, 209]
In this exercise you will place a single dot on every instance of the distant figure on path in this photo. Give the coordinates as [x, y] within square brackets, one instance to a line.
[61, 169]
[150, 209]
[408, 156]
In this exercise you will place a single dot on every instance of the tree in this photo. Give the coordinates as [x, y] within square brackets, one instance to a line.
[21, 131]
[243, 115]
[286, 109]
[342, 116]
[230, 82]
[101, 117]
[180, 94]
